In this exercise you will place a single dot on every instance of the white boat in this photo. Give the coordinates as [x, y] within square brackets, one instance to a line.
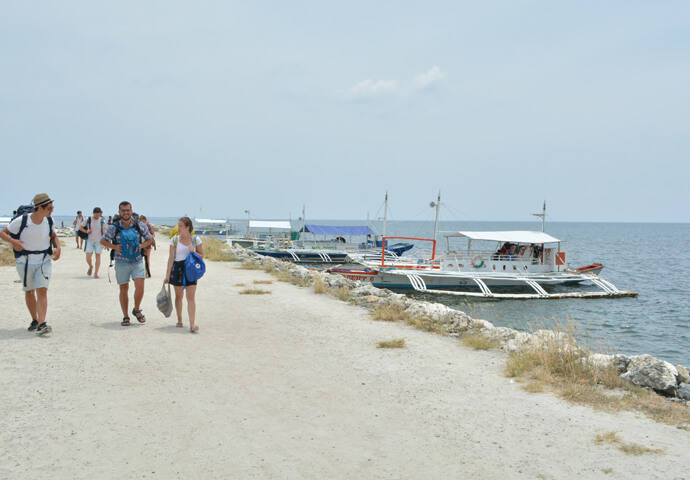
[212, 226]
[501, 259]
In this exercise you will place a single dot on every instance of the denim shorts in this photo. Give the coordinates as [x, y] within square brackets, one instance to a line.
[37, 274]
[92, 247]
[126, 270]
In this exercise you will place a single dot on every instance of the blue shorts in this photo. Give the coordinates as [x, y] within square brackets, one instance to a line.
[126, 270]
[37, 275]
[92, 247]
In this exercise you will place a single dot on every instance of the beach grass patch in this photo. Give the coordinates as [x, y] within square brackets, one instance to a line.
[319, 286]
[479, 342]
[612, 438]
[255, 291]
[6, 254]
[163, 231]
[342, 293]
[262, 282]
[217, 251]
[395, 343]
[557, 363]
[388, 312]
[250, 265]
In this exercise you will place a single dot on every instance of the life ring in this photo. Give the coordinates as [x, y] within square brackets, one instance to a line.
[478, 261]
[286, 242]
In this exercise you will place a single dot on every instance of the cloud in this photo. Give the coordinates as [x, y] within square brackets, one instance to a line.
[428, 79]
[369, 88]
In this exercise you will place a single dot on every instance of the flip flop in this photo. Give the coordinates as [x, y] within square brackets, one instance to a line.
[179, 325]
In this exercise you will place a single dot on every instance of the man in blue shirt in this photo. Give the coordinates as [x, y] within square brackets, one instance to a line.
[127, 238]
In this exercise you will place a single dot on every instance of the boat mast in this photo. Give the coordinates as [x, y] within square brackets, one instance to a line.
[385, 213]
[438, 208]
[248, 220]
[542, 215]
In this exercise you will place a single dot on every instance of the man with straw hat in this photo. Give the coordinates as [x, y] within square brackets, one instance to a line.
[33, 238]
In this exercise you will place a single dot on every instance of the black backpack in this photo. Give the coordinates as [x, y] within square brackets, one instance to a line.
[25, 211]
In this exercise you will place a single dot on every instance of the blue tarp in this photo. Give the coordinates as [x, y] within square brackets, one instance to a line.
[331, 230]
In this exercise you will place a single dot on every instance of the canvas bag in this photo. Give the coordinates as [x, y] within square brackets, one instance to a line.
[164, 301]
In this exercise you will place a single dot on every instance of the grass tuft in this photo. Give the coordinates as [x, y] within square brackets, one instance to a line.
[217, 251]
[612, 438]
[319, 286]
[479, 342]
[389, 312]
[6, 254]
[396, 343]
[557, 363]
[262, 282]
[255, 291]
[250, 265]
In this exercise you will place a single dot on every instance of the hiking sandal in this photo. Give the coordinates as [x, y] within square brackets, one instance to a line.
[141, 318]
[125, 322]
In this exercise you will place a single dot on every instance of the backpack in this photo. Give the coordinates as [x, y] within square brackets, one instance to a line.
[130, 238]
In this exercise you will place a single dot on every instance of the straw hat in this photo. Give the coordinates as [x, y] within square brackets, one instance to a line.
[41, 200]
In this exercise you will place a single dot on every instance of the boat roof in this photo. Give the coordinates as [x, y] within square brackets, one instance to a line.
[338, 230]
[270, 224]
[516, 236]
[209, 220]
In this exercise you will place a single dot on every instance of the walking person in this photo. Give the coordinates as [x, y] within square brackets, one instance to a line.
[77, 224]
[147, 251]
[94, 227]
[33, 237]
[128, 238]
[182, 245]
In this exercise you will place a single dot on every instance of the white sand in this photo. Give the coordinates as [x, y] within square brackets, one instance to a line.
[287, 385]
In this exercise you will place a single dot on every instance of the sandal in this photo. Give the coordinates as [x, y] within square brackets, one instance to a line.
[179, 325]
[125, 322]
[141, 318]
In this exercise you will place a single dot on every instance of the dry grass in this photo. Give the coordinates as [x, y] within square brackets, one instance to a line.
[319, 286]
[612, 438]
[262, 282]
[217, 251]
[479, 342]
[255, 291]
[6, 255]
[342, 293]
[163, 231]
[389, 313]
[557, 364]
[396, 343]
[250, 265]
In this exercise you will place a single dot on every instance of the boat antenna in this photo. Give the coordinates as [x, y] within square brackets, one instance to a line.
[542, 215]
[248, 214]
[436, 204]
[385, 213]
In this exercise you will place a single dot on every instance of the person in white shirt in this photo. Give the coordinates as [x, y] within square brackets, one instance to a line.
[95, 227]
[182, 245]
[79, 219]
[33, 238]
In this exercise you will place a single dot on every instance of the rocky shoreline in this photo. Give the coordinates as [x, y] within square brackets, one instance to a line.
[642, 370]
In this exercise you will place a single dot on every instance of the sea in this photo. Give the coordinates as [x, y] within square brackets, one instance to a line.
[647, 258]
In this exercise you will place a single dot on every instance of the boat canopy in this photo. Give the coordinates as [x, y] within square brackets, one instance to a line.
[509, 236]
[333, 230]
[210, 220]
[270, 224]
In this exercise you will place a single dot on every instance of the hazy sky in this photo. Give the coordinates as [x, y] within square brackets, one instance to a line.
[226, 106]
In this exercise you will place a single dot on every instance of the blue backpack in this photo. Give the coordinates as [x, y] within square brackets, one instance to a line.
[130, 238]
[194, 266]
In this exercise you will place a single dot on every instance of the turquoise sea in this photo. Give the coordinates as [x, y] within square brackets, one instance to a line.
[648, 258]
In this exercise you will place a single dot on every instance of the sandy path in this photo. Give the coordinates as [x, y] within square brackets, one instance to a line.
[287, 385]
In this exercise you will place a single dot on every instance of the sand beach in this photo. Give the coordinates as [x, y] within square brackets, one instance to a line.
[288, 385]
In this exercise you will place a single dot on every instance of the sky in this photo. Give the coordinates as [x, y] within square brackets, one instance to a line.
[213, 108]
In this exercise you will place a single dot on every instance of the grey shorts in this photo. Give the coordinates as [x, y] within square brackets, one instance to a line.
[37, 275]
[126, 270]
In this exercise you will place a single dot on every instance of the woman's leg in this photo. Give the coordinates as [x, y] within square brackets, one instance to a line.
[191, 306]
[178, 303]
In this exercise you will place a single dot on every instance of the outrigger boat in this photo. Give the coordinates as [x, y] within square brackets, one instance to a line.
[529, 259]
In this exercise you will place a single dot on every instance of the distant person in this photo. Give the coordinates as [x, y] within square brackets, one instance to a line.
[128, 238]
[94, 226]
[77, 223]
[110, 219]
[147, 252]
[182, 245]
[33, 237]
